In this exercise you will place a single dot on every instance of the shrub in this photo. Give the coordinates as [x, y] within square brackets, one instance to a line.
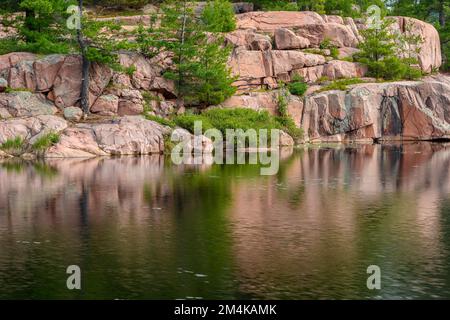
[298, 88]
[288, 125]
[16, 143]
[46, 141]
[160, 120]
[187, 121]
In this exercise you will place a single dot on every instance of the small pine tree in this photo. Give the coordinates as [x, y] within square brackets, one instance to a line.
[218, 16]
[200, 71]
[377, 47]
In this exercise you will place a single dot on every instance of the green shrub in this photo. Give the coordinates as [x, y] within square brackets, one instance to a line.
[297, 88]
[160, 120]
[13, 144]
[334, 52]
[46, 141]
[288, 125]
[238, 118]
[187, 121]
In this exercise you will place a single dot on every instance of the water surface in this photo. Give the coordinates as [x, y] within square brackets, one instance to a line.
[142, 228]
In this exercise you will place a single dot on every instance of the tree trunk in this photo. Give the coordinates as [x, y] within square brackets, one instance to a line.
[84, 99]
[442, 14]
[181, 55]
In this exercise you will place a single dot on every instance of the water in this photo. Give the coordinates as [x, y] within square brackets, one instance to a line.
[143, 228]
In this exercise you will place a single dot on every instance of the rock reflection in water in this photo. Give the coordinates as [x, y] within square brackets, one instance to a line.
[144, 228]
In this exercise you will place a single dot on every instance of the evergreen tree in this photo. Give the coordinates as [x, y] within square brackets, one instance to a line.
[200, 71]
[218, 16]
[378, 48]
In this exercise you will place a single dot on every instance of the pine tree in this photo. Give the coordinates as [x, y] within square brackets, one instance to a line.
[218, 16]
[200, 71]
[378, 48]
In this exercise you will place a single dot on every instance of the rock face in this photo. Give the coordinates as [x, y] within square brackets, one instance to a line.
[57, 79]
[258, 65]
[389, 111]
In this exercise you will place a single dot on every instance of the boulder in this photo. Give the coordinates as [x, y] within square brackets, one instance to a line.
[347, 52]
[310, 74]
[45, 71]
[285, 139]
[340, 35]
[22, 76]
[76, 142]
[73, 114]
[430, 56]
[337, 69]
[287, 60]
[250, 64]
[25, 104]
[131, 135]
[131, 102]
[67, 84]
[11, 59]
[180, 135]
[30, 127]
[286, 39]
[106, 105]
[249, 40]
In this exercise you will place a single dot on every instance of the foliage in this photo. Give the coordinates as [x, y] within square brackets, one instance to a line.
[218, 16]
[200, 71]
[13, 144]
[435, 12]
[389, 55]
[284, 120]
[46, 141]
[160, 120]
[187, 121]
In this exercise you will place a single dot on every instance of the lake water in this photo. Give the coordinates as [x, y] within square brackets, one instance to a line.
[142, 228]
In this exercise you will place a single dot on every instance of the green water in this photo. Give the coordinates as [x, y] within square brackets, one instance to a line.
[142, 228]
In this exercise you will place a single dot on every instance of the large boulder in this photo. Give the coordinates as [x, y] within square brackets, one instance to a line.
[46, 70]
[286, 39]
[249, 40]
[430, 56]
[129, 136]
[337, 69]
[30, 128]
[106, 105]
[76, 142]
[340, 35]
[25, 104]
